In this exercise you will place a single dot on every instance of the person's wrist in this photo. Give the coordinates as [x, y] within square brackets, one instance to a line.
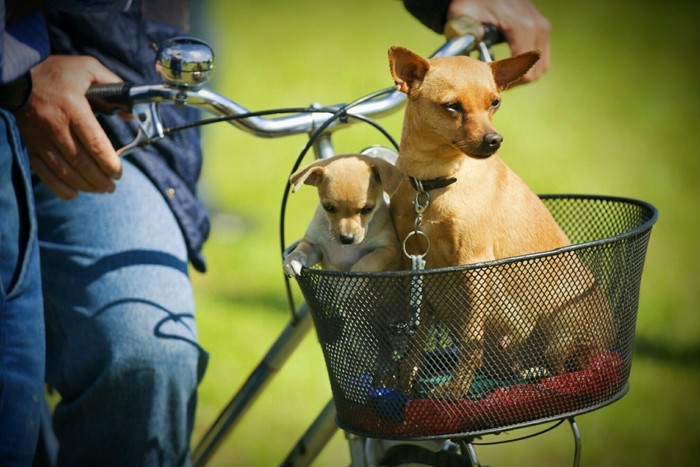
[14, 95]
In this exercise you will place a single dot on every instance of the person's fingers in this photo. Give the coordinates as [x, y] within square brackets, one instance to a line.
[84, 163]
[55, 146]
[523, 26]
[52, 181]
[62, 132]
[96, 146]
[530, 30]
[89, 133]
[72, 172]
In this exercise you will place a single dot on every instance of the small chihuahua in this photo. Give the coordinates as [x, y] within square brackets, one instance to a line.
[351, 229]
[479, 211]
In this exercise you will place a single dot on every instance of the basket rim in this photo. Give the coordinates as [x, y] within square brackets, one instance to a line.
[643, 227]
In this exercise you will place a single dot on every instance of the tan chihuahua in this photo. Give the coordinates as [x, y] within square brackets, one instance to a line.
[351, 229]
[480, 210]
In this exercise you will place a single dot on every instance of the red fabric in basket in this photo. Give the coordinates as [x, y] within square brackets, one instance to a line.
[597, 382]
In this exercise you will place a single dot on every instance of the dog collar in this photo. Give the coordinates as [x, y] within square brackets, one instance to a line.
[434, 184]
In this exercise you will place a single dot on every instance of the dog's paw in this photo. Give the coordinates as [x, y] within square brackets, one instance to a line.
[293, 264]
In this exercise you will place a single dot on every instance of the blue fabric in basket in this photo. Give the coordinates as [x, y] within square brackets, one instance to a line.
[390, 403]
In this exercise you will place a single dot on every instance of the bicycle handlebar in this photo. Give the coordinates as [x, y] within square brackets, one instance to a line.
[143, 100]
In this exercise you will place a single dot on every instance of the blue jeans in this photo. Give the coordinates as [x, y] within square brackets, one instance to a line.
[21, 314]
[122, 345]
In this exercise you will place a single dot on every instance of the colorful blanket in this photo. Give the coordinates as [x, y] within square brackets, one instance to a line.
[390, 413]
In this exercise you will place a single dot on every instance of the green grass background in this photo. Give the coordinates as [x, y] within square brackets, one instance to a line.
[617, 114]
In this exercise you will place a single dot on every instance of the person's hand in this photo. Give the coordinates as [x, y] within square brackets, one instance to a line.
[67, 147]
[522, 24]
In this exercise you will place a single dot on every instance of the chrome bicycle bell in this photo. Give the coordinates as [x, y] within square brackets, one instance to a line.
[185, 61]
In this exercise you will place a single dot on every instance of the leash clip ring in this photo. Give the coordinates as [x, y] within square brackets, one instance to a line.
[411, 234]
[421, 201]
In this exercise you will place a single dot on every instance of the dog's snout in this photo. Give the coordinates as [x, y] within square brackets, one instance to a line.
[490, 143]
[347, 239]
[493, 140]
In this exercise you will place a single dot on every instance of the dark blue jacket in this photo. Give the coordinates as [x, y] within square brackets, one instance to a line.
[432, 13]
[124, 43]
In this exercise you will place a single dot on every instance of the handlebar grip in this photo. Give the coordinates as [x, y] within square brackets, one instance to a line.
[112, 95]
[492, 35]
[466, 25]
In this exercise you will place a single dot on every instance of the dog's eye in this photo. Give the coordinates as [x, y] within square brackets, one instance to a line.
[453, 107]
[496, 103]
[329, 208]
[366, 210]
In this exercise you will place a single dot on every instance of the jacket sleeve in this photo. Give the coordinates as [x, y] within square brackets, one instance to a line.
[432, 13]
[88, 6]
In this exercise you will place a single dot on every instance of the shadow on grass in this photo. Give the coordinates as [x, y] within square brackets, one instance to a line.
[667, 353]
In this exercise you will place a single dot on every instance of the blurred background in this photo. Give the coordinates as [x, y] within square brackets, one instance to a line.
[617, 114]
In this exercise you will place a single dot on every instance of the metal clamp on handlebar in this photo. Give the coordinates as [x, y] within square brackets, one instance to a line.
[150, 127]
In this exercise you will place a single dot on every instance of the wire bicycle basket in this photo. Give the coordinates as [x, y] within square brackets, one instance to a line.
[584, 316]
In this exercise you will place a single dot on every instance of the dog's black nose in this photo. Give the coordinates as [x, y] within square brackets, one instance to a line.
[347, 239]
[492, 140]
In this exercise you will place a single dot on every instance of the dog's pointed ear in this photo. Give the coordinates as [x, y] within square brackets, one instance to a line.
[309, 175]
[407, 68]
[387, 174]
[510, 70]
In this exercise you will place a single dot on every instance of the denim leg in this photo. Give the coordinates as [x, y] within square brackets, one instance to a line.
[21, 315]
[122, 346]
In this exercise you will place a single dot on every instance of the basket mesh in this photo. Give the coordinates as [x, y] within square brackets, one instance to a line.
[482, 348]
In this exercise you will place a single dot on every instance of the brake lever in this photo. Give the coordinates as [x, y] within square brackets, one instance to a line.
[150, 127]
[116, 97]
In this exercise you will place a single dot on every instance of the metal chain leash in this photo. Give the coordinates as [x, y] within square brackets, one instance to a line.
[415, 300]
